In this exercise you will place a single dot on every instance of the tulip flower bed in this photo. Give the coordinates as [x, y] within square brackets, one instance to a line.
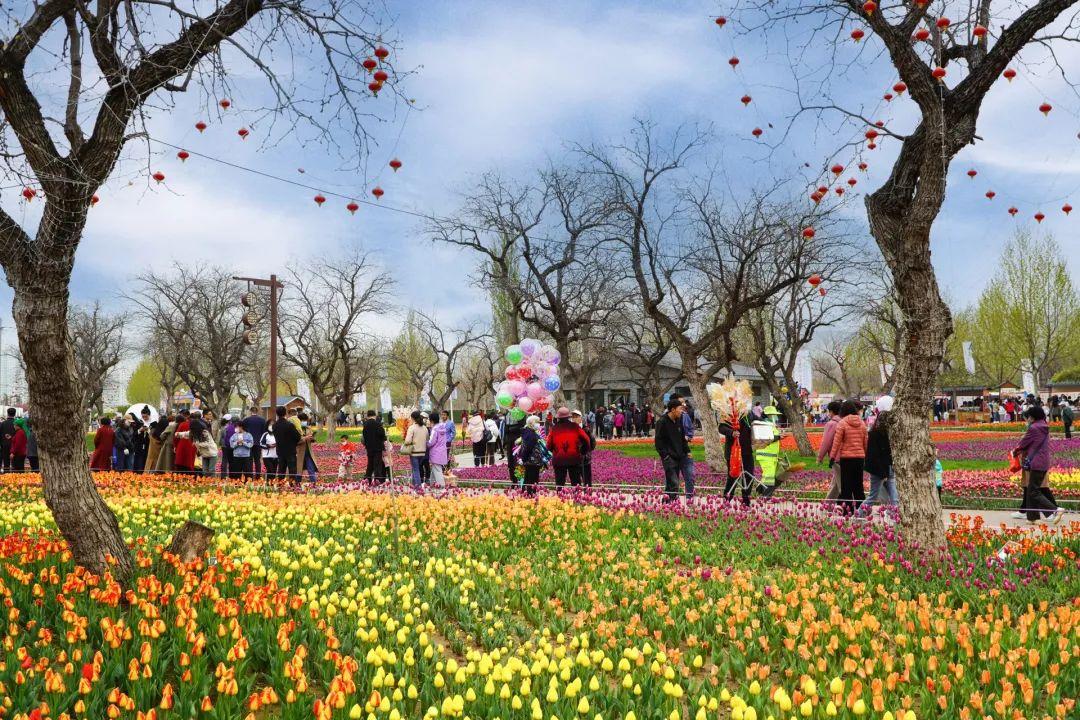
[383, 607]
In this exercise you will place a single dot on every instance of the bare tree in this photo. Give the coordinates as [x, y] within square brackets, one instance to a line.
[697, 267]
[411, 364]
[321, 331]
[643, 346]
[97, 339]
[253, 383]
[947, 76]
[477, 372]
[839, 360]
[121, 61]
[195, 317]
[448, 346]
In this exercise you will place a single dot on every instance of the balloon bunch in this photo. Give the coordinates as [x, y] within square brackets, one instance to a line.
[532, 375]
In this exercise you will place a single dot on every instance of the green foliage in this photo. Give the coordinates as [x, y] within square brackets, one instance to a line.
[145, 383]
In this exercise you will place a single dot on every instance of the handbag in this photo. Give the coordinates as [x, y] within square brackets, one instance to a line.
[1014, 462]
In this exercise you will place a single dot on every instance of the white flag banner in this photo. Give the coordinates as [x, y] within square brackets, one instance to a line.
[385, 403]
[969, 359]
[1029, 382]
[804, 373]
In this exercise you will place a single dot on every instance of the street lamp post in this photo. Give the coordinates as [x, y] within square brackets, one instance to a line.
[274, 286]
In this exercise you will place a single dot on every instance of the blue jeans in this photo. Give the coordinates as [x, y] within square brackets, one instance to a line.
[309, 467]
[688, 474]
[414, 462]
[125, 463]
[880, 485]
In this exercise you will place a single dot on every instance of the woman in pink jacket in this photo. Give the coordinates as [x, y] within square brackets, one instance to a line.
[825, 449]
[849, 449]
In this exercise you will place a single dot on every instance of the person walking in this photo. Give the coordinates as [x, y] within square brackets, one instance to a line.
[373, 438]
[242, 443]
[492, 436]
[533, 453]
[512, 432]
[477, 433]
[304, 458]
[849, 450]
[101, 459]
[568, 444]
[255, 425]
[18, 446]
[31, 446]
[878, 464]
[745, 433]
[268, 454]
[1034, 454]
[1067, 417]
[287, 438]
[825, 449]
[620, 423]
[123, 442]
[672, 447]
[438, 453]
[415, 447]
[225, 442]
[586, 460]
[7, 432]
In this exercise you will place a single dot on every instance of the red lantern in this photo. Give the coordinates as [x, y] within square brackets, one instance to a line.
[939, 73]
[839, 191]
[888, 97]
[808, 233]
[29, 194]
[880, 123]
[871, 134]
[837, 169]
[857, 34]
[815, 197]
[380, 76]
[922, 34]
[319, 200]
[869, 6]
[822, 190]
[374, 87]
[183, 155]
[1066, 208]
[979, 31]
[1009, 74]
[990, 194]
[821, 292]
[863, 166]
[972, 173]
[395, 164]
[745, 100]
[1045, 108]
[815, 280]
[381, 52]
[899, 88]
[370, 64]
[1013, 211]
[871, 146]
[733, 62]
[94, 199]
[377, 192]
[721, 21]
[200, 126]
[1039, 217]
[942, 23]
[243, 133]
[352, 208]
[852, 182]
[756, 132]
[224, 104]
[159, 176]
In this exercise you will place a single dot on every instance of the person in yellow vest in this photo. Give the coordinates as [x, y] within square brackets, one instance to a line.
[767, 435]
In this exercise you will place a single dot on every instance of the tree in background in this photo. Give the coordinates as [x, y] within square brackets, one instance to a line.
[144, 385]
[411, 365]
[843, 366]
[448, 346]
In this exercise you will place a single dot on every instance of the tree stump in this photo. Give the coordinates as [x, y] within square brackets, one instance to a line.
[190, 541]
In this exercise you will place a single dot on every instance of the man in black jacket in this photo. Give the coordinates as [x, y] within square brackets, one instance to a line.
[7, 432]
[671, 446]
[373, 437]
[255, 424]
[287, 437]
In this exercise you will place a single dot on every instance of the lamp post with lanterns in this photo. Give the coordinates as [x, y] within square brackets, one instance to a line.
[251, 319]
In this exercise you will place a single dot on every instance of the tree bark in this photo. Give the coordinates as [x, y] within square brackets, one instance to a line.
[40, 311]
[792, 413]
[710, 429]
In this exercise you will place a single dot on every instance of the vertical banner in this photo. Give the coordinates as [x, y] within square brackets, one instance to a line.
[969, 359]
[804, 373]
[385, 403]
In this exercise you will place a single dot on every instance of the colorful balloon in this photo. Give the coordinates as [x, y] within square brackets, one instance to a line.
[504, 399]
[516, 414]
[525, 403]
[552, 383]
[534, 390]
[516, 388]
[555, 358]
[529, 346]
[513, 354]
[511, 372]
[543, 403]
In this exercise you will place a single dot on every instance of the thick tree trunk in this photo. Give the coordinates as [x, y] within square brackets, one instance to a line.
[40, 311]
[710, 430]
[793, 413]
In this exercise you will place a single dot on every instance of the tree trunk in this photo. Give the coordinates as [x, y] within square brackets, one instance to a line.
[40, 310]
[331, 425]
[792, 413]
[710, 431]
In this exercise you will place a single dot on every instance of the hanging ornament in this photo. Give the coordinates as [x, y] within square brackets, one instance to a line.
[183, 155]
[380, 76]
[815, 197]
[1013, 211]
[745, 100]
[808, 233]
[990, 194]
[821, 292]
[377, 192]
[869, 7]
[888, 97]
[395, 164]
[733, 62]
[243, 133]
[922, 34]
[159, 176]
[942, 23]
[319, 200]
[721, 21]
[863, 166]
[857, 34]
[370, 64]
[822, 190]
[871, 146]
[200, 126]
[852, 182]
[374, 87]
[899, 88]
[939, 73]
[29, 194]
[1045, 108]
[814, 280]
[381, 52]
[871, 135]
[94, 200]
[1039, 217]
[224, 104]
[756, 132]
[1066, 208]
[1009, 74]
[352, 208]
[837, 169]
[972, 173]
[979, 31]
[839, 191]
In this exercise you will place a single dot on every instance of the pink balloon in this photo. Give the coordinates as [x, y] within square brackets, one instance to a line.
[535, 390]
[516, 388]
[511, 372]
[525, 403]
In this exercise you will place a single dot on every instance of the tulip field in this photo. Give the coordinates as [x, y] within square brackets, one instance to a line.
[334, 602]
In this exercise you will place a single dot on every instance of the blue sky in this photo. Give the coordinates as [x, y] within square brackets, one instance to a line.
[506, 85]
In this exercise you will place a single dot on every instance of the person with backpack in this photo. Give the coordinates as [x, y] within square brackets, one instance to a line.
[1067, 417]
[568, 444]
[478, 433]
[533, 453]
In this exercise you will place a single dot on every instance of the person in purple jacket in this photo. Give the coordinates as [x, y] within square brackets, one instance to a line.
[438, 448]
[1034, 451]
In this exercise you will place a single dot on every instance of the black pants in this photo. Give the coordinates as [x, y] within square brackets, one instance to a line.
[586, 474]
[239, 467]
[376, 471]
[256, 461]
[18, 463]
[511, 461]
[673, 480]
[226, 462]
[1037, 496]
[425, 469]
[287, 467]
[1068, 429]
[851, 484]
[270, 465]
[5, 461]
[479, 453]
[33, 462]
[532, 479]
[574, 471]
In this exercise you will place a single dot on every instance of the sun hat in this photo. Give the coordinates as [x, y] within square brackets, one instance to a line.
[576, 412]
[770, 410]
[563, 412]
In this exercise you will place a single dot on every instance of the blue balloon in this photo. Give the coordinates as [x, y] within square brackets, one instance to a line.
[552, 383]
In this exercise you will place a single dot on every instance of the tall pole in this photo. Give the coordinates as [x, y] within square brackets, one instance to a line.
[273, 342]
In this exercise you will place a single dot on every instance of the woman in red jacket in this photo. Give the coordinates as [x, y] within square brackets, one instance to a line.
[184, 458]
[18, 446]
[103, 446]
[849, 449]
